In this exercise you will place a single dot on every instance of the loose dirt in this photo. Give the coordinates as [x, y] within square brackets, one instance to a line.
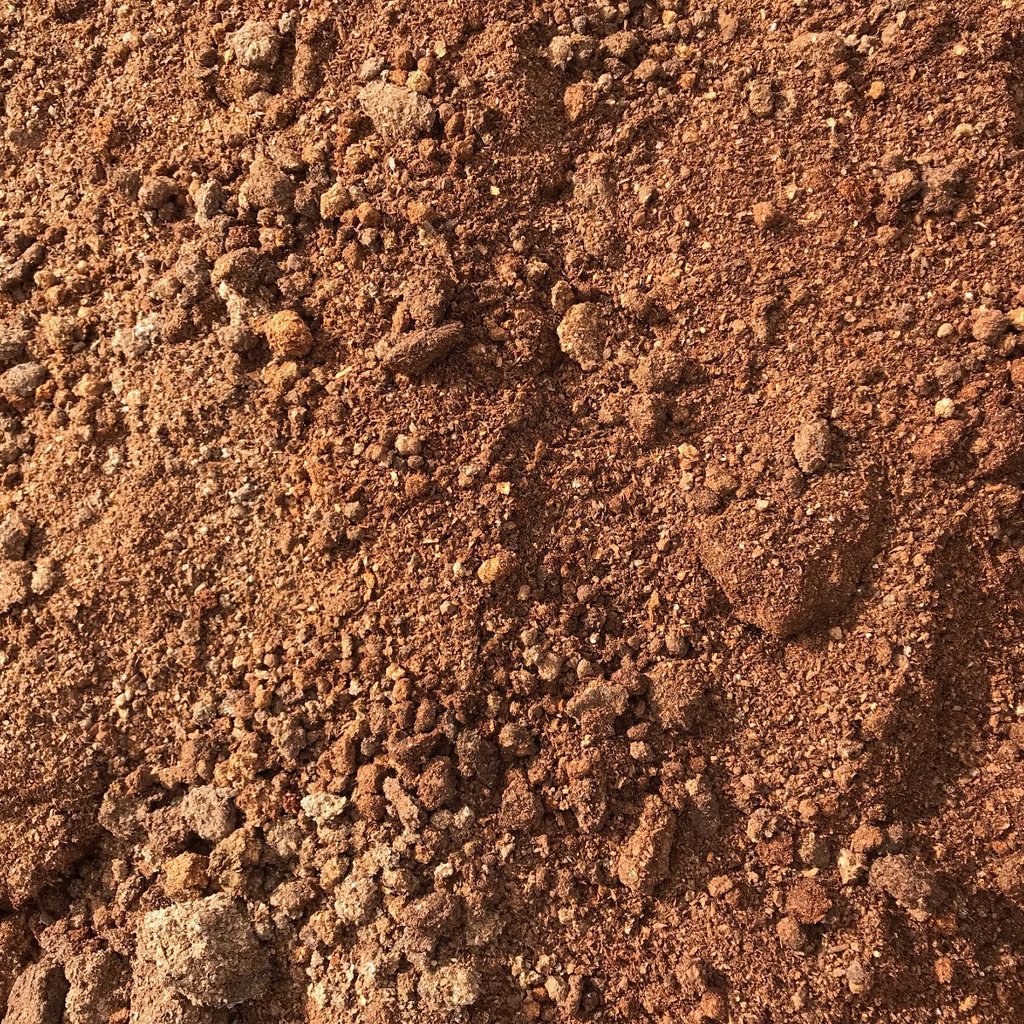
[511, 512]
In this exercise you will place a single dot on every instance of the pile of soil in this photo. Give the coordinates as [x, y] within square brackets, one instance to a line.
[511, 512]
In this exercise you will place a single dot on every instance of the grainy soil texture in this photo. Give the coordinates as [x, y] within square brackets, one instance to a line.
[511, 511]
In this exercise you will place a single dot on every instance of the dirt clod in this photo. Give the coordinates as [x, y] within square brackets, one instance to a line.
[287, 334]
[583, 335]
[783, 577]
[19, 383]
[397, 112]
[989, 326]
[15, 531]
[497, 568]
[204, 950]
[907, 882]
[257, 45]
[807, 901]
[38, 995]
[812, 445]
[644, 859]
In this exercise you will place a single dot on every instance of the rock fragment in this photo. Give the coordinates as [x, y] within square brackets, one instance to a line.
[185, 876]
[371, 68]
[900, 190]
[851, 866]
[414, 353]
[335, 201]
[858, 977]
[357, 898]
[812, 444]
[243, 271]
[396, 112]
[598, 704]
[44, 576]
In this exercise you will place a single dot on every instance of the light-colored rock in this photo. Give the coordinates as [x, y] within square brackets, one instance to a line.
[583, 335]
[204, 950]
[397, 113]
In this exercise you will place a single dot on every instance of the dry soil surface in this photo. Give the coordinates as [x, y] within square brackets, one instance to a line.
[511, 512]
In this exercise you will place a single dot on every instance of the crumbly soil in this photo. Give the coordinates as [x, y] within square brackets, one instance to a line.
[511, 512]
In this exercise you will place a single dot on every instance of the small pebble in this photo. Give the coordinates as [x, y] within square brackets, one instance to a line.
[497, 568]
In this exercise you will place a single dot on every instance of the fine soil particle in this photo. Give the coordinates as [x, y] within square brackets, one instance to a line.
[511, 512]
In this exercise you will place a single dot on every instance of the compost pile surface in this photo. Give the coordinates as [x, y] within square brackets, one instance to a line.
[511, 512]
